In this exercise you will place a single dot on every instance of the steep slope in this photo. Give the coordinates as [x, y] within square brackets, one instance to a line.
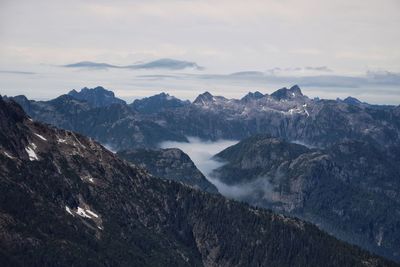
[171, 164]
[65, 200]
[350, 189]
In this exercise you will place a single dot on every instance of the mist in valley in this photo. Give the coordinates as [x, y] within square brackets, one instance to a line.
[201, 152]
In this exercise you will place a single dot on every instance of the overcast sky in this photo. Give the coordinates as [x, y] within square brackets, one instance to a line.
[330, 48]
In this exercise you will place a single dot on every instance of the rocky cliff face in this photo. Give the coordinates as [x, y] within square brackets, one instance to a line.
[171, 164]
[65, 200]
[349, 189]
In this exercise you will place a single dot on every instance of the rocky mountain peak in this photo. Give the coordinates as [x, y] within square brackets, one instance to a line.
[11, 111]
[156, 103]
[285, 94]
[204, 98]
[252, 96]
[352, 100]
[164, 96]
[64, 98]
[97, 97]
[296, 89]
[99, 90]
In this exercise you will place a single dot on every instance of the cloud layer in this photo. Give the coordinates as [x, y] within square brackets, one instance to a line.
[164, 63]
[201, 152]
[370, 78]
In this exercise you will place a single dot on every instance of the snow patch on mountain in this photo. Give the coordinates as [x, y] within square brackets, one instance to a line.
[8, 155]
[81, 212]
[31, 152]
[40, 136]
[69, 211]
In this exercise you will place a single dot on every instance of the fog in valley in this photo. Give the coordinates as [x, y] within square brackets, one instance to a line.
[201, 152]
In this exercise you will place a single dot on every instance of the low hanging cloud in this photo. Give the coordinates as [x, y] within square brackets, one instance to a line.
[17, 72]
[371, 78]
[255, 190]
[164, 63]
[167, 63]
[307, 69]
[202, 152]
[90, 65]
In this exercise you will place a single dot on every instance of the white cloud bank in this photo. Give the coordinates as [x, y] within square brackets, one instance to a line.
[201, 153]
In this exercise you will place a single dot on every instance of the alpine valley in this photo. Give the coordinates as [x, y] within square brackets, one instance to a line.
[318, 181]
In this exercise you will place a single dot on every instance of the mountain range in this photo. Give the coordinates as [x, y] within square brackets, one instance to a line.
[330, 162]
[286, 113]
[65, 200]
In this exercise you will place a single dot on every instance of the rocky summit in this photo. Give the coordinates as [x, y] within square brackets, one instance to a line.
[96, 97]
[157, 103]
[67, 201]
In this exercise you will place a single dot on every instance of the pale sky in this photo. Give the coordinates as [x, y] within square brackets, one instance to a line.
[330, 48]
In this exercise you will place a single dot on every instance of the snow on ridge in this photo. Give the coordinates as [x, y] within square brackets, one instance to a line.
[41, 137]
[294, 110]
[87, 178]
[69, 211]
[77, 140]
[59, 140]
[92, 213]
[81, 212]
[31, 153]
[305, 110]
[8, 155]
[85, 213]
